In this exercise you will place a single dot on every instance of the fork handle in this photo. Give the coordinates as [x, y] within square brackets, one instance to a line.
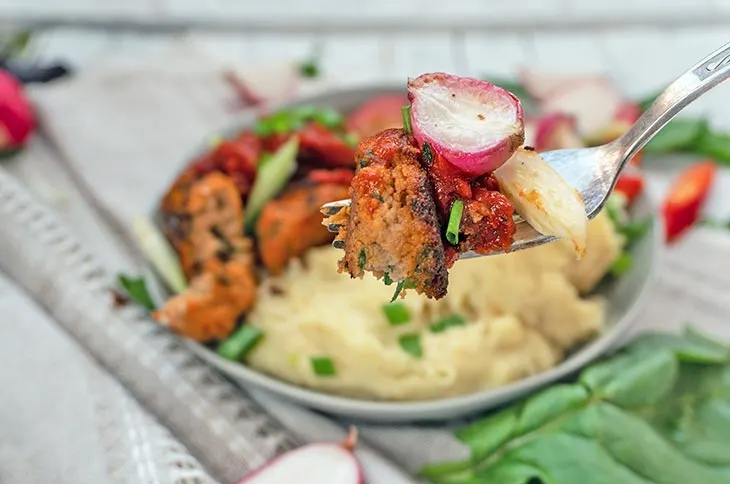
[708, 73]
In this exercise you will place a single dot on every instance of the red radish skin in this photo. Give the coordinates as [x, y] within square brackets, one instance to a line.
[377, 114]
[17, 120]
[320, 463]
[557, 131]
[593, 102]
[473, 124]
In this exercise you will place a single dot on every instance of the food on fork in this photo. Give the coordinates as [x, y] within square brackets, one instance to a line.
[449, 182]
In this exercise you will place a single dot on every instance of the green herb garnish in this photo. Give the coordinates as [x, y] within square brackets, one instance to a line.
[387, 280]
[323, 365]
[657, 412]
[136, 289]
[411, 344]
[406, 114]
[448, 322]
[396, 314]
[633, 231]
[404, 284]
[309, 68]
[361, 258]
[452, 229]
[237, 345]
[288, 120]
[621, 265]
[427, 153]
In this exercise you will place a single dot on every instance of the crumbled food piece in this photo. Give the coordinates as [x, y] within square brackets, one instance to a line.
[393, 228]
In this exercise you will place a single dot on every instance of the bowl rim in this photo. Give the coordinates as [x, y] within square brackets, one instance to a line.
[414, 410]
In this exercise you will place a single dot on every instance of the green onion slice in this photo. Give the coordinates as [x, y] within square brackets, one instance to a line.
[406, 113]
[452, 229]
[396, 313]
[411, 344]
[621, 265]
[322, 365]
[136, 289]
[237, 345]
[448, 322]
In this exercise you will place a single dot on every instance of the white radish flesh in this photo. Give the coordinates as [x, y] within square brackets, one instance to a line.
[321, 463]
[543, 84]
[543, 198]
[474, 124]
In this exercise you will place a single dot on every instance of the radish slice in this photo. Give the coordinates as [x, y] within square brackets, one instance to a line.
[321, 463]
[556, 131]
[593, 102]
[542, 84]
[474, 124]
[543, 198]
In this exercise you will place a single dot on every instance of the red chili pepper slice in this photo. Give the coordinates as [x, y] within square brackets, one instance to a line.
[681, 208]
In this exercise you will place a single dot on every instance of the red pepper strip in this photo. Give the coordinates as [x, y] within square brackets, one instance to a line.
[340, 176]
[682, 206]
[630, 185]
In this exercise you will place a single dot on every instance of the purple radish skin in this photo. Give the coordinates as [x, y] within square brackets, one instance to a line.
[320, 463]
[474, 124]
[557, 131]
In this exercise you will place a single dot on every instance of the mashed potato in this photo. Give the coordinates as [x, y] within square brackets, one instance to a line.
[523, 312]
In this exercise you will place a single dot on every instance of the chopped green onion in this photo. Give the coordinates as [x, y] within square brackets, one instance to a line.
[452, 229]
[404, 284]
[396, 314]
[448, 322]
[361, 258]
[406, 114]
[411, 344]
[322, 365]
[159, 252]
[621, 265]
[136, 289]
[237, 345]
[271, 177]
[309, 68]
[329, 118]
[387, 280]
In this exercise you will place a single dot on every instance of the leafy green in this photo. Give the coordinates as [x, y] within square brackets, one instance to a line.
[679, 135]
[288, 120]
[657, 412]
[396, 314]
[136, 289]
[714, 145]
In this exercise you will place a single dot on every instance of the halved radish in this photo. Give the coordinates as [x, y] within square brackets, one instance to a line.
[530, 123]
[623, 118]
[321, 463]
[541, 84]
[377, 114]
[593, 103]
[474, 124]
[557, 131]
[543, 198]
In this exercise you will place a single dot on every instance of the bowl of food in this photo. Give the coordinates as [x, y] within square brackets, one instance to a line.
[247, 276]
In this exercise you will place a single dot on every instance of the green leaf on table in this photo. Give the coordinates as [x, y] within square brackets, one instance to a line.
[679, 135]
[136, 289]
[657, 412]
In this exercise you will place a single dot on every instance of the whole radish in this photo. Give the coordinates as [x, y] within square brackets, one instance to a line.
[319, 463]
[17, 120]
[473, 124]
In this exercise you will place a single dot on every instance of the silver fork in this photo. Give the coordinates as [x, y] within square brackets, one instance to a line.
[594, 171]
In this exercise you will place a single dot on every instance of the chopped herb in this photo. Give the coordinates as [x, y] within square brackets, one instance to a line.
[237, 345]
[136, 289]
[309, 68]
[387, 280]
[406, 113]
[633, 231]
[378, 197]
[361, 258]
[398, 289]
[322, 365]
[396, 313]
[621, 265]
[448, 322]
[411, 344]
[352, 139]
[452, 229]
[427, 153]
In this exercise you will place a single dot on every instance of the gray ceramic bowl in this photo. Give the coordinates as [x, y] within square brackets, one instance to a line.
[624, 298]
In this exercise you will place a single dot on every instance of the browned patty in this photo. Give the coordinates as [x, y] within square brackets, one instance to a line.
[392, 229]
